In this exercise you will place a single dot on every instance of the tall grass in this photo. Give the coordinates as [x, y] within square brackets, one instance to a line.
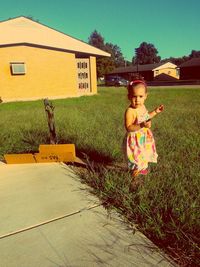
[166, 207]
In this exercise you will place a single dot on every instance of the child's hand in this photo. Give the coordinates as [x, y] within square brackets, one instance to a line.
[159, 109]
[147, 124]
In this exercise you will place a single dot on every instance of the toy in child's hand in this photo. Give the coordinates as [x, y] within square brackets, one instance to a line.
[159, 109]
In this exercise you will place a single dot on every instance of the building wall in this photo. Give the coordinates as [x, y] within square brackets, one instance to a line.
[147, 75]
[50, 73]
[169, 71]
[190, 73]
[93, 75]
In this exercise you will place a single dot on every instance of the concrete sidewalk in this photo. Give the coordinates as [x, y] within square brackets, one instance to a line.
[49, 219]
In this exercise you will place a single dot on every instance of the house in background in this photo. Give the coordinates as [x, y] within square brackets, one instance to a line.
[165, 72]
[150, 72]
[190, 70]
[39, 62]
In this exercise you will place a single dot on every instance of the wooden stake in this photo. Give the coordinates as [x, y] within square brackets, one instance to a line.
[49, 108]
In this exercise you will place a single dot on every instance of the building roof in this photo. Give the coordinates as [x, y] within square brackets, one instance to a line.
[165, 77]
[24, 31]
[191, 63]
[141, 68]
[165, 65]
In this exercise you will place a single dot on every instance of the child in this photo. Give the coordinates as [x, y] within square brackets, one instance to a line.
[140, 144]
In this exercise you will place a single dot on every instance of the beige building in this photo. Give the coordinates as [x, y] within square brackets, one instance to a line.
[150, 72]
[40, 62]
[167, 69]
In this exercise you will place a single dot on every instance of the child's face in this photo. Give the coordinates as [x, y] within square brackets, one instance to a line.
[138, 96]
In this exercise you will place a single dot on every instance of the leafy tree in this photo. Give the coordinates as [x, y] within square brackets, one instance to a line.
[134, 60]
[106, 64]
[95, 39]
[180, 60]
[146, 53]
[194, 53]
[127, 63]
[177, 61]
[116, 55]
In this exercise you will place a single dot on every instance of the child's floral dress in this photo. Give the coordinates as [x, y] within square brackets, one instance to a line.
[140, 145]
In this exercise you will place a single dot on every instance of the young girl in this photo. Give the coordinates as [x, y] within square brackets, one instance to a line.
[140, 144]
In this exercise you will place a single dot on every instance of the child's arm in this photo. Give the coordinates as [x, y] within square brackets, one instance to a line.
[130, 117]
[156, 111]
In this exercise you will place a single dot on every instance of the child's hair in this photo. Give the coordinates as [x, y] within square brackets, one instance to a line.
[134, 83]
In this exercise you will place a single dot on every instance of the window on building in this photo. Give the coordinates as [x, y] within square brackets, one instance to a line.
[18, 68]
[177, 72]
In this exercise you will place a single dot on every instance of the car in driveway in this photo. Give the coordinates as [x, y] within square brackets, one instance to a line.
[115, 81]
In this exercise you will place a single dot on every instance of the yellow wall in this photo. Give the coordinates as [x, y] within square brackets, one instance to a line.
[169, 71]
[93, 75]
[50, 73]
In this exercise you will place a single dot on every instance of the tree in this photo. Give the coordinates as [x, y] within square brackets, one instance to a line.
[116, 55]
[176, 60]
[134, 60]
[180, 60]
[95, 39]
[146, 53]
[106, 64]
[194, 53]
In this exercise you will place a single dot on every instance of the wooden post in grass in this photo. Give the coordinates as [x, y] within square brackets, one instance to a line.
[49, 108]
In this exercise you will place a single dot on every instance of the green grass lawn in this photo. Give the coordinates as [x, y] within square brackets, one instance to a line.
[166, 207]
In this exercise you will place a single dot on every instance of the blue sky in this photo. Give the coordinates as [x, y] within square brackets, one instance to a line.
[173, 26]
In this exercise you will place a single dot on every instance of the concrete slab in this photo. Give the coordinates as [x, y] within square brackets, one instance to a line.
[89, 238]
[31, 194]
